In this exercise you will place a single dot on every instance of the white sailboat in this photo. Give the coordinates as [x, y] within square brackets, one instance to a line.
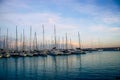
[35, 51]
[16, 53]
[44, 51]
[23, 52]
[55, 51]
[66, 51]
[29, 53]
[78, 50]
[6, 53]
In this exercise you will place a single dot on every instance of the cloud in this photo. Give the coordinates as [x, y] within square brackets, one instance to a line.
[30, 18]
[37, 19]
[103, 28]
[111, 19]
[13, 6]
[114, 29]
[95, 11]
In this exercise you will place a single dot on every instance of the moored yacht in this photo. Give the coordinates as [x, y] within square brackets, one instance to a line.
[23, 54]
[43, 53]
[29, 53]
[6, 54]
[78, 51]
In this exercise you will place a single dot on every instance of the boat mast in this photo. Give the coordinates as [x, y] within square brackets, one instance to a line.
[59, 43]
[36, 41]
[30, 37]
[4, 43]
[16, 40]
[63, 42]
[23, 41]
[55, 35]
[7, 40]
[43, 37]
[71, 44]
[79, 40]
[66, 42]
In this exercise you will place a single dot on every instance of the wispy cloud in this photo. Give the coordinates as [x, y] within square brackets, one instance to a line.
[111, 19]
[102, 28]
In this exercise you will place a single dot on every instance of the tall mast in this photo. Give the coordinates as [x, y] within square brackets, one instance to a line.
[16, 40]
[7, 40]
[23, 41]
[59, 42]
[36, 41]
[79, 40]
[71, 44]
[30, 37]
[43, 37]
[66, 42]
[4, 43]
[63, 42]
[55, 34]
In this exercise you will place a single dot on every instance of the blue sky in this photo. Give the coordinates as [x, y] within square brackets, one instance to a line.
[98, 21]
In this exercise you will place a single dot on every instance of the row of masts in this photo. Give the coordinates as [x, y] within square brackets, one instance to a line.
[22, 40]
[34, 47]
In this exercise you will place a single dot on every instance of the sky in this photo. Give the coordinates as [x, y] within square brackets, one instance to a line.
[97, 21]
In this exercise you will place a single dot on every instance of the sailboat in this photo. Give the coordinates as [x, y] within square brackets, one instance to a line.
[55, 51]
[36, 51]
[23, 52]
[16, 52]
[6, 53]
[78, 50]
[66, 51]
[44, 51]
[29, 53]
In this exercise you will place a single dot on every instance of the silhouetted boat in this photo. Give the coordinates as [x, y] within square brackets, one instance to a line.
[23, 53]
[44, 51]
[5, 52]
[15, 53]
[29, 53]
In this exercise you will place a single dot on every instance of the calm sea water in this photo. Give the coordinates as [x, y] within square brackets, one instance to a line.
[95, 65]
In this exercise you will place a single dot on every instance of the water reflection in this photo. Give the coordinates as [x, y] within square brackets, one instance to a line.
[98, 65]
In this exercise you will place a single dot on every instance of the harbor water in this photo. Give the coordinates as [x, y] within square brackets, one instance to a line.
[92, 66]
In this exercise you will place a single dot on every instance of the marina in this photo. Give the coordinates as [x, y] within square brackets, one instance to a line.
[59, 39]
[33, 50]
